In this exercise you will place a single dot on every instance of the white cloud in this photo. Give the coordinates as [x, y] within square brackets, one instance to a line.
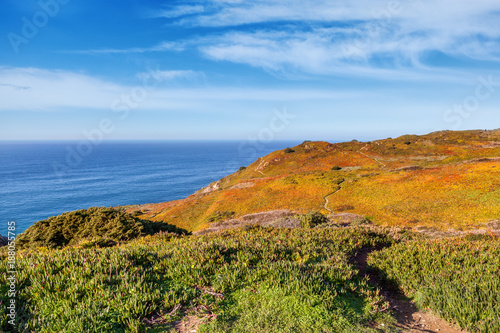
[450, 15]
[60, 90]
[327, 51]
[164, 46]
[50, 89]
[333, 36]
[181, 10]
[169, 76]
[390, 40]
[15, 87]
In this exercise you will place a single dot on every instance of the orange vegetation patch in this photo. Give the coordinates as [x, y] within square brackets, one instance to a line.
[443, 179]
[458, 196]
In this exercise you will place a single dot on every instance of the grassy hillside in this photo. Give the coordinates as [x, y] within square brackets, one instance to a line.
[443, 180]
[250, 280]
[254, 280]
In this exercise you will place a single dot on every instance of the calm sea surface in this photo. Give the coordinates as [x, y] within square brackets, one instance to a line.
[43, 179]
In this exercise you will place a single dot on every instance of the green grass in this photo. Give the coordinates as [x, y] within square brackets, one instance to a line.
[457, 278]
[272, 280]
[254, 280]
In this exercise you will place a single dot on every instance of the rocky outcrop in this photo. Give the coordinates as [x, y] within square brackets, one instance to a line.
[242, 185]
[210, 188]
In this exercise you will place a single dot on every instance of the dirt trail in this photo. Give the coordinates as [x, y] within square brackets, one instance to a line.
[371, 157]
[326, 196]
[409, 318]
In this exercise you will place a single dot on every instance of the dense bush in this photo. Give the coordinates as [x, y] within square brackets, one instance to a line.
[220, 216]
[312, 219]
[289, 150]
[104, 225]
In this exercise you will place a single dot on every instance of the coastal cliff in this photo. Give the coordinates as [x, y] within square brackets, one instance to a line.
[444, 180]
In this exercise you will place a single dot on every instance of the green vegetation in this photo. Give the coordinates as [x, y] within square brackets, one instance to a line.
[457, 278]
[99, 225]
[254, 280]
[312, 219]
[220, 216]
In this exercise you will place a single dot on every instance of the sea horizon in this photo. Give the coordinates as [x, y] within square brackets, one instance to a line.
[114, 173]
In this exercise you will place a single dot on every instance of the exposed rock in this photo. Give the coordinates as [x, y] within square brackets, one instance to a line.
[210, 188]
[3, 240]
[242, 185]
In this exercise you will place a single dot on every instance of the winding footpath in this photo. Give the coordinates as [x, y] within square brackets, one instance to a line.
[371, 157]
[327, 202]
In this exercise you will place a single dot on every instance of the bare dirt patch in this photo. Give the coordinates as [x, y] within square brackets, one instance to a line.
[345, 219]
[192, 319]
[274, 218]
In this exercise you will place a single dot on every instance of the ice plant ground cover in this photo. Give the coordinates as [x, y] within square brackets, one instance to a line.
[255, 279]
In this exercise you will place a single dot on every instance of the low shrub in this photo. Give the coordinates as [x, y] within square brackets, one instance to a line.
[312, 219]
[220, 216]
[343, 208]
[98, 223]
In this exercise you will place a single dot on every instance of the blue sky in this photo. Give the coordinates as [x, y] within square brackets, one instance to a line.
[224, 69]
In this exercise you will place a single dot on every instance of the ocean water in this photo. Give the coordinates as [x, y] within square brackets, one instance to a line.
[43, 179]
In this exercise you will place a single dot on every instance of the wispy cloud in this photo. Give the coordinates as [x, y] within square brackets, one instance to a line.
[59, 90]
[172, 76]
[14, 86]
[364, 51]
[179, 11]
[420, 14]
[50, 89]
[164, 46]
[369, 37]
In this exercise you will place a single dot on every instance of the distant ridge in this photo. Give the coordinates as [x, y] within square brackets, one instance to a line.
[411, 181]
